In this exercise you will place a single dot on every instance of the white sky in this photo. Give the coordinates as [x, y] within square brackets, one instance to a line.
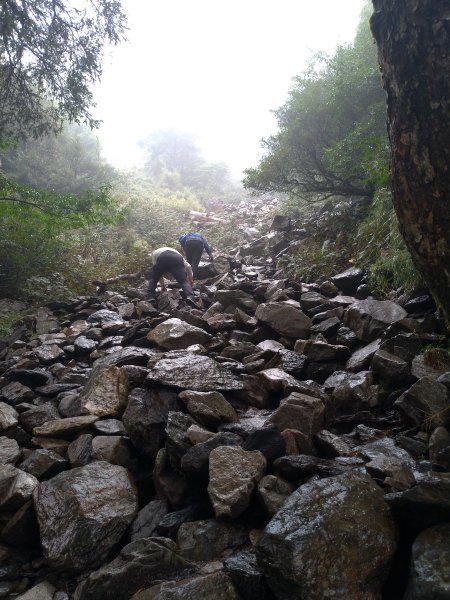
[212, 68]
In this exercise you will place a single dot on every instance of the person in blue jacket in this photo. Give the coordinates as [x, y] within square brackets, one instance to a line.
[193, 245]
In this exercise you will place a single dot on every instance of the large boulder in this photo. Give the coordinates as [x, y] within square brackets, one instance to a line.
[190, 371]
[233, 475]
[175, 334]
[333, 538]
[369, 318]
[83, 513]
[426, 403]
[105, 393]
[285, 319]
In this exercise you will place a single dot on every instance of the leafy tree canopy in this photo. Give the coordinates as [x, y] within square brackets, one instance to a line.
[68, 163]
[50, 52]
[332, 136]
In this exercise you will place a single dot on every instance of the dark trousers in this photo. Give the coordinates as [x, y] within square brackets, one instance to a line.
[169, 262]
[194, 250]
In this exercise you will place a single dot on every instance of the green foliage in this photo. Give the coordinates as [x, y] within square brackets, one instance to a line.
[67, 163]
[332, 137]
[10, 321]
[381, 249]
[34, 229]
[50, 52]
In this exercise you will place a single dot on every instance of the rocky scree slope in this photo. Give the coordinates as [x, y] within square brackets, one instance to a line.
[282, 441]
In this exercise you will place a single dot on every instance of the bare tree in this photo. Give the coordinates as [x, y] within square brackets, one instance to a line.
[413, 38]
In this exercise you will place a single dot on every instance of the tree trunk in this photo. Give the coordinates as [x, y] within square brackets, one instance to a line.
[413, 38]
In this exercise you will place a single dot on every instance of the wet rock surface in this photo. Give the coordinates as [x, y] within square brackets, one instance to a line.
[281, 440]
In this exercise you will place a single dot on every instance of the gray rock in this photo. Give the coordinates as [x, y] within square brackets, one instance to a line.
[273, 491]
[208, 408]
[9, 451]
[38, 415]
[429, 575]
[147, 519]
[114, 449]
[299, 466]
[175, 334]
[139, 564]
[284, 319]
[197, 458]
[233, 475]
[361, 359]
[301, 412]
[84, 345]
[42, 591]
[145, 418]
[247, 576]
[331, 445]
[369, 318]
[213, 585]
[348, 281]
[392, 369]
[104, 317]
[189, 371]
[15, 393]
[209, 539]
[105, 393]
[80, 450]
[398, 471]
[64, 427]
[8, 416]
[325, 528]
[425, 403]
[44, 464]
[352, 391]
[83, 513]
[439, 447]
[48, 353]
[16, 487]
[110, 427]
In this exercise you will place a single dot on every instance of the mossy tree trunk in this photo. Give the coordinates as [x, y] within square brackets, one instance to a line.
[413, 38]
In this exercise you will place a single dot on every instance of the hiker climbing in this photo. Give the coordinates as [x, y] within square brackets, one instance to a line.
[169, 260]
[193, 245]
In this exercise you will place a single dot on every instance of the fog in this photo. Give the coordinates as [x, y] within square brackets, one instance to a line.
[212, 69]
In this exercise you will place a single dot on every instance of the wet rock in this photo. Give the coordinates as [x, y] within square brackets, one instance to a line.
[105, 393]
[209, 539]
[391, 368]
[16, 487]
[217, 585]
[318, 351]
[178, 442]
[170, 483]
[84, 345]
[394, 468]
[361, 359]
[171, 522]
[268, 441]
[15, 393]
[423, 505]
[301, 412]
[80, 450]
[331, 445]
[64, 427]
[348, 281]
[148, 518]
[175, 334]
[196, 459]
[8, 416]
[110, 427]
[105, 317]
[429, 575]
[185, 370]
[82, 514]
[235, 299]
[42, 591]
[146, 416]
[48, 353]
[273, 491]
[439, 447]
[352, 391]
[31, 378]
[284, 319]
[368, 318]
[114, 449]
[311, 546]
[425, 404]
[139, 564]
[208, 408]
[44, 464]
[233, 475]
[293, 468]
[39, 415]
[9, 451]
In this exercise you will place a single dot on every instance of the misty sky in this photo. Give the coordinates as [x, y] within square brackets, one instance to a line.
[212, 68]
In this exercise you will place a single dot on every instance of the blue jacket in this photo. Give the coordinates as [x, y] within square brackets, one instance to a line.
[195, 236]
